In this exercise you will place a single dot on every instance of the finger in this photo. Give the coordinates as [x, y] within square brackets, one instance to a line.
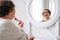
[20, 24]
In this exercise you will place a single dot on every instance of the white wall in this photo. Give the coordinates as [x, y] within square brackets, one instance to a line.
[39, 34]
[21, 13]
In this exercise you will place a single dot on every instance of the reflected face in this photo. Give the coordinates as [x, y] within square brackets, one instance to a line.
[46, 13]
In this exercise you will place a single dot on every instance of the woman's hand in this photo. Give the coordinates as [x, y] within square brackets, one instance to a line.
[20, 23]
[31, 38]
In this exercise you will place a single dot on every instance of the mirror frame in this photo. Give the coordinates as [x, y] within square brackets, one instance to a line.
[42, 24]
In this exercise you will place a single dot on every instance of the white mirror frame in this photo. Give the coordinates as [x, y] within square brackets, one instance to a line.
[42, 24]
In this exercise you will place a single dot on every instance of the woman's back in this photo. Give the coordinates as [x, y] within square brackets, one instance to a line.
[8, 31]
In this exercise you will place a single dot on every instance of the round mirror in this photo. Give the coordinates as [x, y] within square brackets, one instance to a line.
[43, 13]
[42, 10]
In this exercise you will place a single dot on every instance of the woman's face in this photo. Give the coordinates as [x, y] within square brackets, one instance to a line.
[46, 13]
[12, 14]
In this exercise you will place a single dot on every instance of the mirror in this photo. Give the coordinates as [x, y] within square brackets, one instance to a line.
[42, 10]
[35, 8]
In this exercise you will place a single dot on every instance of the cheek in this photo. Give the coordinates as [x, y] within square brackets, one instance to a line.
[44, 14]
[13, 13]
[48, 14]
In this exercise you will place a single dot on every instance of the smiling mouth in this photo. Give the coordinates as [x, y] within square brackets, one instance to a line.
[45, 15]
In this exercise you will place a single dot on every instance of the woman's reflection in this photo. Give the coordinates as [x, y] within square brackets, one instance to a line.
[46, 15]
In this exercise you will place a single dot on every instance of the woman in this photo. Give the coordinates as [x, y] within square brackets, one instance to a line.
[46, 15]
[8, 30]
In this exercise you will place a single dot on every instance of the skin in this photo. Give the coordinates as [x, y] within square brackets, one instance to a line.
[46, 15]
[20, 23]
[31, 38]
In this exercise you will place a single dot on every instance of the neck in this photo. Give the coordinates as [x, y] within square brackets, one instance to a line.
[46, 18]
[6, 17]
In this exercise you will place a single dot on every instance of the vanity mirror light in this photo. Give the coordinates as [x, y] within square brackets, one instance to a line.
[43, 13]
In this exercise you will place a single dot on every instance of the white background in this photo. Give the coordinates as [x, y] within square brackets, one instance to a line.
[39, 34]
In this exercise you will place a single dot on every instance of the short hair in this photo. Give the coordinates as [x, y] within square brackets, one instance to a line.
[5, 7]
[48, 11]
